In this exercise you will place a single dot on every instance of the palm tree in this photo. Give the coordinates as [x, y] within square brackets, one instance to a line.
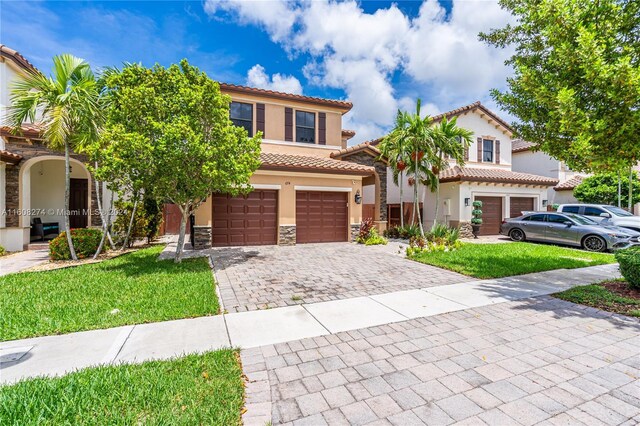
[68, 103]
[419, 143]
[393, 147]
[450, 143]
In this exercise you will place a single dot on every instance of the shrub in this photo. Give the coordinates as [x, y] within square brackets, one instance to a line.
[85, 241]
[2, 251]
[629, 260]
[365, 227]
[477, 213]
[375, 239]
[404, 232]
[369, 234]
[441, 238]
[146, 223]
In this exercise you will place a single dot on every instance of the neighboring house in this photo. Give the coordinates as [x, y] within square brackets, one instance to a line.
[32, 175]
[301, 194]
[487, 176]
[526, 160]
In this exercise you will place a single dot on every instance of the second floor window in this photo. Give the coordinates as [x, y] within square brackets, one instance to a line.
[305, 127]
[487, 151]
[242, 115]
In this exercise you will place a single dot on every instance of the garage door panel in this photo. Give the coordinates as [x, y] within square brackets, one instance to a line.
[250, 220]
[491, 215]
[321, 216]
[518, 205]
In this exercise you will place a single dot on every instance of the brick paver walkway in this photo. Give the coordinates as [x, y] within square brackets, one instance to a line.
[251, 278]
[539, 361]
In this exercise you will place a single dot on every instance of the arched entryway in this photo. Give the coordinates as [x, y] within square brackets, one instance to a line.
[41, 192]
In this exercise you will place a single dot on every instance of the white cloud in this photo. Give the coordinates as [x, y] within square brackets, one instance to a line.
[257, 77]
[438, 53]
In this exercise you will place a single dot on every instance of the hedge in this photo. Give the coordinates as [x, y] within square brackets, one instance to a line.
[85, 241]
[629, 260]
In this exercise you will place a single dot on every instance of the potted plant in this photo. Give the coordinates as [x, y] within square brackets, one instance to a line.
[476, 220]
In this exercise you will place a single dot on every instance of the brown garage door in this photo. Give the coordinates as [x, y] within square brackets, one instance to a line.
[245, 221]
[321, 217]
[491, 215]
[520, 205]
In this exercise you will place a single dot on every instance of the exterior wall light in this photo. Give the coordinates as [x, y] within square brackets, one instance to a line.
[358, 197]
[466, 202]
[544, 203]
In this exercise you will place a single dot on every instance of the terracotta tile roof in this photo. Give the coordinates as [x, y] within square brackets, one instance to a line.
[343, 105]
[348, 133]
[28, 130]
[21, 61]
[305, 163]
[369, 147]
[520, 145]
[473, 107]
[569, 184]
[9, 157]
[476, 174]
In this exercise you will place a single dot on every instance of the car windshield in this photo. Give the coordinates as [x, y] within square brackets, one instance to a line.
[617, 211]
[581, 220]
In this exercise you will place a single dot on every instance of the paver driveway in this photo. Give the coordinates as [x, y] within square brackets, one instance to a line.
[258, 277]
[539, 361]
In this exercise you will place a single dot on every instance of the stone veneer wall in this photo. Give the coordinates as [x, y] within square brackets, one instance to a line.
[287, 235]
[381, 169]
[12, 173]
[355, 230]
[466, 231]
[201, 237]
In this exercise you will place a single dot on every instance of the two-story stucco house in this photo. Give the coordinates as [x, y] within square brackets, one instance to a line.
[487, 176]
[301, 194]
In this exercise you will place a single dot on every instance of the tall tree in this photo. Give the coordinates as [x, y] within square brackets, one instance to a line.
[450, 143]
[193, 147]
[576, 82]
[607, 188]
[67, 106]
[393, 147]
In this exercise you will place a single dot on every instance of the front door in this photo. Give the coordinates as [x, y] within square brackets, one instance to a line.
[78, 203]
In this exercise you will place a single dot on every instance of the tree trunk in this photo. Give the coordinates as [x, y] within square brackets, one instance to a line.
[435, 219]
[619, 189]
[401, 200]
[67, 192]
[181, 236]
[418, 215]
[133, 215]
[104, 223]
[631, 189]
[111, 243]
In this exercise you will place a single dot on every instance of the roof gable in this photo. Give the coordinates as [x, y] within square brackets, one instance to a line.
[477, 107]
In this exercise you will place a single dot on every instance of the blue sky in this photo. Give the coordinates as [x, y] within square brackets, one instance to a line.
[380, 55]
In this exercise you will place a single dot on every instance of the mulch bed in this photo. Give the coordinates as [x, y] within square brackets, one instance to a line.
[621, 288]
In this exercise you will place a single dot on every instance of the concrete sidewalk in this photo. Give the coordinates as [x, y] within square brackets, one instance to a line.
[56, 355]
[22, 260]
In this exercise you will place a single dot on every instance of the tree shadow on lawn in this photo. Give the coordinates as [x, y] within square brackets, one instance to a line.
[137, 264]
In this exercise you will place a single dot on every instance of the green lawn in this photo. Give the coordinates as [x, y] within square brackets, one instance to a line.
[506, 259]
[131, 289]
[598, 296]
[194, 390]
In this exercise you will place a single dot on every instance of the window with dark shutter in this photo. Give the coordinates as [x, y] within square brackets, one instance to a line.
[305, 127]
[497, 152]
[322, 128]
[241, 115]
[260, 119]
[288, 124]
[479, 145]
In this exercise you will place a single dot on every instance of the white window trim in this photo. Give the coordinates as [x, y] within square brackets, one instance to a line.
[323, 188]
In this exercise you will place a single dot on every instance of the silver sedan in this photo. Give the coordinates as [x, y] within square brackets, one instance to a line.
[568, 229]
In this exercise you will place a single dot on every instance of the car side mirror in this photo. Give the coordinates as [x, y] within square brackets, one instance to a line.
[568, 223]
[605, 215]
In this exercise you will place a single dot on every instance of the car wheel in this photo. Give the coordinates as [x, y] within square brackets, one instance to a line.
[516, 235]
[594, 243]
